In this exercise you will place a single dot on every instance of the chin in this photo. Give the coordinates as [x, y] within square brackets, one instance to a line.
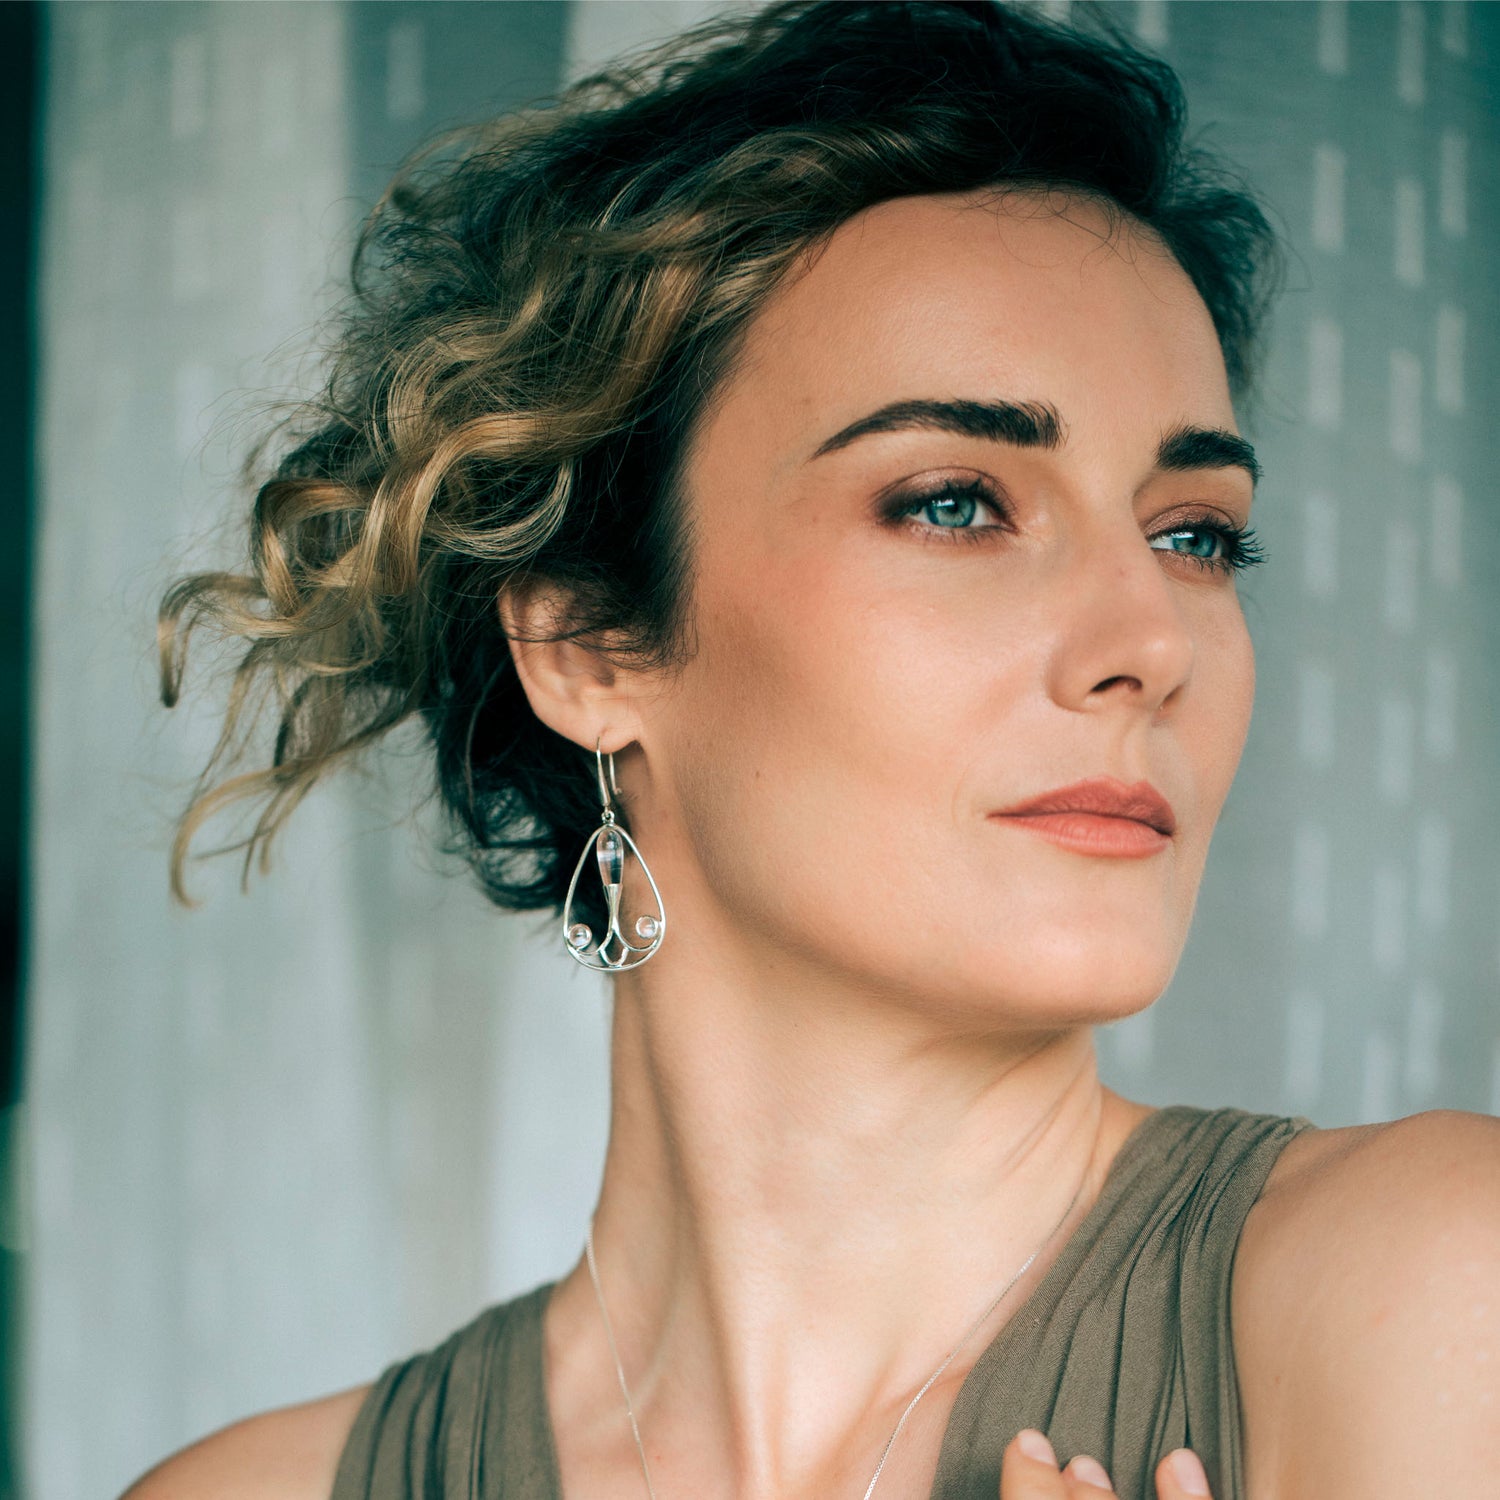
[1072, 983]
[987, 986]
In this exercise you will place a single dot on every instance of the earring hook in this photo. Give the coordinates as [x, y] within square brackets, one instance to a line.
[604, 790]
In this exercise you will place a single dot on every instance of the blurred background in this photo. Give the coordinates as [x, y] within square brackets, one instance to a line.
[256, 1151]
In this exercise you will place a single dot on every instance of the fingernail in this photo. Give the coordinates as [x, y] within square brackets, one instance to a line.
[1034, 1444]
[1188, 1471]
[1089, 1470]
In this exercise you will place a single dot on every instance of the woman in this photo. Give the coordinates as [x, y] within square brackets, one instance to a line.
[814, 454]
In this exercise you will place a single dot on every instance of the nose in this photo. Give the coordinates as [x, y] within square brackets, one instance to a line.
[1123, 640]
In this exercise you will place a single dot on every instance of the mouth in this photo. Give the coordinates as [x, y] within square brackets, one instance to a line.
[1101, 816]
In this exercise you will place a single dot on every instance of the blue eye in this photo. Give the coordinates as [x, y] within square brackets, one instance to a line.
[1212, 544]
[951, 510]
[953, 507]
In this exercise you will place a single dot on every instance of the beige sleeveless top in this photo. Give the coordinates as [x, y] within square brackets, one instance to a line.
[1122, 1350]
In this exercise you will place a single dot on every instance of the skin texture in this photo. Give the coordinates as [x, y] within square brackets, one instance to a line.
[287, 1454]
[856, 1087]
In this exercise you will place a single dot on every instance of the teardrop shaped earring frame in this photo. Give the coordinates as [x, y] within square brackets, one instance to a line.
[630, 955]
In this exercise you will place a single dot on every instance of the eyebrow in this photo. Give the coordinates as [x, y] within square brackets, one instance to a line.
[1189, 447]
[1035, 424]
[1026, 424]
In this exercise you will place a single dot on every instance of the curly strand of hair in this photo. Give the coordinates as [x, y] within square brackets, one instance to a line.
[541, 307]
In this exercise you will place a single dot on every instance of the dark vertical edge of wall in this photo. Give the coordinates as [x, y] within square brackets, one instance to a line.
[20, 44]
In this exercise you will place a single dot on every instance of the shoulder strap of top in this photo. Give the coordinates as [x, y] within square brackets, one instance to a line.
[1124, 1350]
[465, 1419]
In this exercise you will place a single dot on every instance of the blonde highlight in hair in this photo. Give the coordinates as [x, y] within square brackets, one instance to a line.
[542, 307]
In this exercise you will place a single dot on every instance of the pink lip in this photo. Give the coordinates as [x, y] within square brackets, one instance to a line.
[1100, 816]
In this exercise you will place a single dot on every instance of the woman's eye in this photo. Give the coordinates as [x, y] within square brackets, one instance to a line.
[1213, 544]
[967, 510]
[956, 507]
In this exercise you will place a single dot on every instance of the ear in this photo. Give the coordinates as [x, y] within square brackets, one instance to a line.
[572, 687]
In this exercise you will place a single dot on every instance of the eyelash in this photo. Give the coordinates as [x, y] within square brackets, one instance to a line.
[1241, 547]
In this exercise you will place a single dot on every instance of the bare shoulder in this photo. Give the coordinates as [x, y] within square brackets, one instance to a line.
[1364, 1283]
[287, 1454]
[1342, 1198]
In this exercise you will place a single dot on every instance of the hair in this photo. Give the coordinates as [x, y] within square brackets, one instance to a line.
[541, 308]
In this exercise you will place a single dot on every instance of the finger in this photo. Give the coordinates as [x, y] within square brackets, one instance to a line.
[1180, 1476]
[1088, 1477]
[1028, 1469]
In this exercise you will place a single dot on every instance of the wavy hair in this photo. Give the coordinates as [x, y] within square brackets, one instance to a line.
[540, 309]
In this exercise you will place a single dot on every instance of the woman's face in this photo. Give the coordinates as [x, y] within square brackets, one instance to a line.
[882, 665]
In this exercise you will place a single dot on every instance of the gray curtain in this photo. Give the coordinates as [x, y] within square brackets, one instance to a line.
[1343, 962]
[271, 1144]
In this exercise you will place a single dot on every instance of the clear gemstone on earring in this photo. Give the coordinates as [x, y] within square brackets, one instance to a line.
[610, 848]
[606, 850]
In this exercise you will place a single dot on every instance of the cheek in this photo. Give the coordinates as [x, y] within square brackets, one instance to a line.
[1225, 701]
[845, 724]
[859, 678]
[834, 710]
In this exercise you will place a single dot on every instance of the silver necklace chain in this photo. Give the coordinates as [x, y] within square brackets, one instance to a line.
[927, 1385]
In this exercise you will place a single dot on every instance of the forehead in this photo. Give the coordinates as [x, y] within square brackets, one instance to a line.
[1028, 296]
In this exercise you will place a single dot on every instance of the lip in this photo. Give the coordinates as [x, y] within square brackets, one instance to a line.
[1099, 816]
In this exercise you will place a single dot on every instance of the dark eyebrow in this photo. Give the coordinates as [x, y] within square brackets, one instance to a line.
[1026, 424]
[1035, 424]
[1188, 447]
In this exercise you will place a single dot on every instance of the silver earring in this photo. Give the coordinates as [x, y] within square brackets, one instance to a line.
[608, 844]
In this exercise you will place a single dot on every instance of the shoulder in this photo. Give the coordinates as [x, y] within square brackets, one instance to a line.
[1356, 1201]
[1366, 1311]
[287, 1454]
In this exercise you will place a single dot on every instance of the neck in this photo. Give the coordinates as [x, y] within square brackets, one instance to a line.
[804, 1207]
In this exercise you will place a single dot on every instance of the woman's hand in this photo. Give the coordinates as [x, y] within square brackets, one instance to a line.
[1029, 1471]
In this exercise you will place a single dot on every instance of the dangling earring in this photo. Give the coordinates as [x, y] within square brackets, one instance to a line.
[608, 844]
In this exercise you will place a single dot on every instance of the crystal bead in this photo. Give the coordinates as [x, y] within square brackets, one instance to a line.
[579, 934]
[646, 927]
[610, 849]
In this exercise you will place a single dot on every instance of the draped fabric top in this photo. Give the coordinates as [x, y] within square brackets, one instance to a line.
[1122, 1350]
